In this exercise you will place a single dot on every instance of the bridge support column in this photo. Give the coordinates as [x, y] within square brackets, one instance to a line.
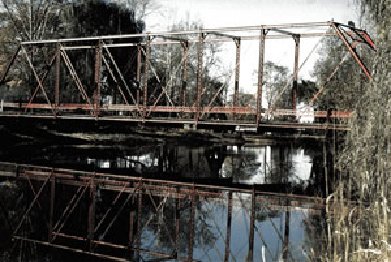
[139, 219]
[199, 77]
[97, 77]
[260, 73]
[177, 223]
[91, 215]
[132, 215]
[250, 256]
[285, 249]
[58, 78]
[229, 224]
[185, 54]
[51, 211]
[146, 74]
[139, 52]
[295, 72]
[191, 225]
[236, 99]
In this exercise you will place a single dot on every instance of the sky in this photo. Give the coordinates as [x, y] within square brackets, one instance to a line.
[226, 13]
[221, 13]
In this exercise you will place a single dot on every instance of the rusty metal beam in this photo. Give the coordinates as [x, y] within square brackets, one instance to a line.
[200, 48]
[91, 214]
[177, 109]
[185, 55]
[261, 61]
[191, 225]
[229, 226]
[52, 205]
[9, 65]
[236, 100]
[295, 71]
[356, 57]
[177, 224]
[58, 78]
[97, 77]
[207, 40]
[139, 67]
[291, 26]
[139, 219]
[146, 75]
[285, 249]
[250, 256]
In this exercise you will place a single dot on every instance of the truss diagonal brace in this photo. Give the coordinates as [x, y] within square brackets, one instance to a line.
[37, 79]
[11, 62]
[44, 75]
[32, 204]
[115, 80]
[119, 73]
[352, 50]
[75, 77]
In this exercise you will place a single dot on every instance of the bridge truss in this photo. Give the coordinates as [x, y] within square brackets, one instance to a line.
[143, 97]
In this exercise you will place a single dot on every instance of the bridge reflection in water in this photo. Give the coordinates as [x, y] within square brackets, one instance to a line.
[120, 218]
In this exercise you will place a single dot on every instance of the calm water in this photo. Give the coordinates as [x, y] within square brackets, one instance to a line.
[207, 224]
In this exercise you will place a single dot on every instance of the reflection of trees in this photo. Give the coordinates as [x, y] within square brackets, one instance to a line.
[162, 228]
[314, 224]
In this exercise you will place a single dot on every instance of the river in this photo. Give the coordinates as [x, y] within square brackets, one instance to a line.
[260, 200]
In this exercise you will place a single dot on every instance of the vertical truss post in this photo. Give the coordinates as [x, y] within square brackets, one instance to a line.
[132, 214]
[261, 61]
[200, 48]
[58, 78]
[185, 54]
[229, 223]
[97, 77]
[236, 101]
[139, 218]
[91, 214]
[191, 226]
[146, 74]
[250, 256]
[177, 223]
[285, 250]
[51, 211]
[295, 71]
[139, 52]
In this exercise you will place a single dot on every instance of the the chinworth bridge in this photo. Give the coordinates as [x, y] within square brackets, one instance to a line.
[81, 79]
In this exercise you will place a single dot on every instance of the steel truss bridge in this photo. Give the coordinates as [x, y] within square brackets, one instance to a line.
[187, 103]
[111, 216]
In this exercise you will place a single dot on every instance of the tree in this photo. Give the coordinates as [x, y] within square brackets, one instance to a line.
[344, 89]
[276, 78]
[167, 71]
[59, 19]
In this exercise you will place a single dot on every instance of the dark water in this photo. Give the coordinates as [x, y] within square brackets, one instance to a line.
[196, 224]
